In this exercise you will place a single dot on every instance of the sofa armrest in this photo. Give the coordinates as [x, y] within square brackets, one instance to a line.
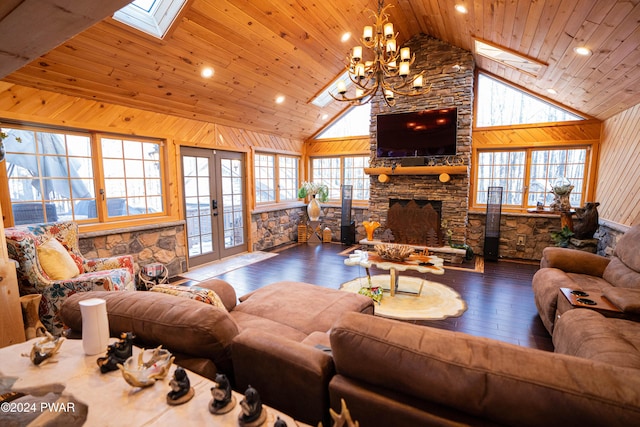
[291, 376]
[626, 299]
[494, 380]
[573, 261]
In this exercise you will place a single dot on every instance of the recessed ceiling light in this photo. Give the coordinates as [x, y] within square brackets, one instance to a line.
[461, 8]
[207, 72]
[552, 91]
[345, 37]
[581, 50]
[325, 116]
[279, 99]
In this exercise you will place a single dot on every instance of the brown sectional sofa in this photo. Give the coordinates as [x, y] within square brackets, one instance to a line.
[617, 278]
[201, 335]
[397, 374]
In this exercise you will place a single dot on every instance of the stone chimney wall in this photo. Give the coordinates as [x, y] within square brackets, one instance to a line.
[450, 71]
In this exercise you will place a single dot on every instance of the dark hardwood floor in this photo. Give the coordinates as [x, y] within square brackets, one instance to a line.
[499, 300]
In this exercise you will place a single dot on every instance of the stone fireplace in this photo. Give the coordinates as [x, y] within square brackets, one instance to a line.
[450, 71]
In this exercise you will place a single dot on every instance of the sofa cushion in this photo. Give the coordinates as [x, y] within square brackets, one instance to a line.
[301, 306]
[627, 300]
[628, 249]
[180, 324]
[586, 333]
[619, 274]
[56, 261]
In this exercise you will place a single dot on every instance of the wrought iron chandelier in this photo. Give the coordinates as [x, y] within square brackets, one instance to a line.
[389, 69]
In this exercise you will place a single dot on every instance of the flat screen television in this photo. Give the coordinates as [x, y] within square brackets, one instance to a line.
[417, 133]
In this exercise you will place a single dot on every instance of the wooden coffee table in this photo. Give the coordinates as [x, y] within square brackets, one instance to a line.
[420, 263]
[110, 400]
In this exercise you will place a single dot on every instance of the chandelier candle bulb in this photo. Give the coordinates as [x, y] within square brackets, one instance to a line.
[360, 71]
[405, 54]
[388, 30]
[359, 93]
[388, 94]
[357, 53]
[367, 33]
[342, 87]
[418, 82]
[393, 66]
[391, 46]
[404, 69]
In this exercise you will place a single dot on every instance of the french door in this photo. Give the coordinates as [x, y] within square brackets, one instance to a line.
[213, 188]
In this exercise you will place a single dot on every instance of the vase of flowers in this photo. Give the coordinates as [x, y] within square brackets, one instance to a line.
[318, 193]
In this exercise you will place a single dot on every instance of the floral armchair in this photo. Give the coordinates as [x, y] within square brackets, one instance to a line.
[110, 274]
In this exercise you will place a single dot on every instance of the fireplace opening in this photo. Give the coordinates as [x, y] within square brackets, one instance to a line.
[415, 222]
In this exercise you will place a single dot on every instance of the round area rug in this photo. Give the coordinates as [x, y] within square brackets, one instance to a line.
[436, 301]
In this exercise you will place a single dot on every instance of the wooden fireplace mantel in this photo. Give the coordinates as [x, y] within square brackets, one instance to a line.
[417, 170]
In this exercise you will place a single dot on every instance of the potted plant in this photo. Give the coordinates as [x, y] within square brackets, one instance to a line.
[318, 193]
[562, 237]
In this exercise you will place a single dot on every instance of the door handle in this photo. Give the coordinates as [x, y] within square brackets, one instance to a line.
[214, 204]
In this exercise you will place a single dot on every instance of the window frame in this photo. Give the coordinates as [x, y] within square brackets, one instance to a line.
[96, 162]
[341, 158]
[587, 189]
[276, 177]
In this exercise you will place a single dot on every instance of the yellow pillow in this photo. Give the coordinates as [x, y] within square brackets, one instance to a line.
[56, 261]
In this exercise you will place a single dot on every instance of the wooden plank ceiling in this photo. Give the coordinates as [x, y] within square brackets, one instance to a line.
[262, 49]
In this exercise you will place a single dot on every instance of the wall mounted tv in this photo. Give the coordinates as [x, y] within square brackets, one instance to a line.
[418, 133]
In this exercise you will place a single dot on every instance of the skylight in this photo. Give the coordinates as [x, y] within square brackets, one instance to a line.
[153, 17]
[508, 57]
[323, 98]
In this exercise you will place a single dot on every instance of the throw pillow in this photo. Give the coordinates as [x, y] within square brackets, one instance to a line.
[193, 292]
[56, 261]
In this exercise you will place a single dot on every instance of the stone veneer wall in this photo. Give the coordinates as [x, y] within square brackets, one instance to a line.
[450, 87]
[271, 228]
[163, 243]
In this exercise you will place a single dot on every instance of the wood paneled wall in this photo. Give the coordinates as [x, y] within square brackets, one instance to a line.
[619, 174]
[326, 147]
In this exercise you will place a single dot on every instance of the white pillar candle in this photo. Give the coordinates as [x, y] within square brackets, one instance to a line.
[367, 33]
[357, 54]
[405, 54]
[404, 69]
[95, 326]
[388, 30]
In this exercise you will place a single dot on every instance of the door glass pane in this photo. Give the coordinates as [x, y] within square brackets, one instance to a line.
[232, 192]
[197, 204]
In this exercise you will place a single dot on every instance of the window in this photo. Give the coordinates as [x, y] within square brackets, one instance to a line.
[132, 184]
[276, 168]
[265, 178]
[527, 175]
[336, 171]
[500, 104]
[153, 17]
[355, 122]
[51, 176]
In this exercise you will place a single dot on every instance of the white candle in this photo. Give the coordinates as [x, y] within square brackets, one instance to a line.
[404, 69]
[360, 70]
[388, 30]
[342, 87]
[95, 326]
[391, 45]
[357, 54]
[367, 34]
[405, 54]
[388, 94]
[417, 82]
